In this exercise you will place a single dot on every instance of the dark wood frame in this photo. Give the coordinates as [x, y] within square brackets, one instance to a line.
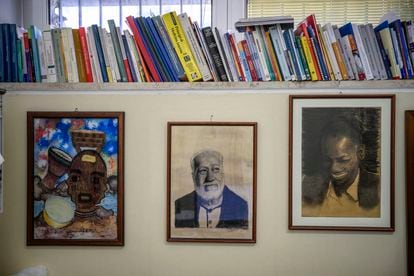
[169, 158]
[389, 228]
[409, 172]
[31, 116]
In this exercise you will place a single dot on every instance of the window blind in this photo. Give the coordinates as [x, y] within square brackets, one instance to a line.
[333, 11]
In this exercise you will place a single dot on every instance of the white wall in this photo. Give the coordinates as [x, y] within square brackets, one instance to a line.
[11, 11]
[278, 251]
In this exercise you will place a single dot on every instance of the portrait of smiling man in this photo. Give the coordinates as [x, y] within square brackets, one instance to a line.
[212, 204]
[347, 181]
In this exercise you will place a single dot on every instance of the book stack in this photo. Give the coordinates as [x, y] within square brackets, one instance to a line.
[172, 48]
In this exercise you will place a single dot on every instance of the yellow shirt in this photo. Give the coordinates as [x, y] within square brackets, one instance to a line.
[345, 205]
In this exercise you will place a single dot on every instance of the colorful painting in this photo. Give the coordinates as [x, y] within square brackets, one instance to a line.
[75, 180]
[341, 161]
[212, 182]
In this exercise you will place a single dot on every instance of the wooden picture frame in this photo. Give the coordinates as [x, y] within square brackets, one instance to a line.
[211, 182]
[409, 165]
[75, 178]
[341, 162]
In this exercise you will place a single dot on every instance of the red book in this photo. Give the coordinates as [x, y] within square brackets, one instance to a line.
[128, 71]
[85, 53]
[249, 60]
[233, 47]
[27, 52]
[144, 51]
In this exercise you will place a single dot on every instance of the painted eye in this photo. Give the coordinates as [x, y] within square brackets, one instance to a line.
[74, 178]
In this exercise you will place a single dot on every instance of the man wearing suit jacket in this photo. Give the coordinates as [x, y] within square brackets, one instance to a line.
[212, 204]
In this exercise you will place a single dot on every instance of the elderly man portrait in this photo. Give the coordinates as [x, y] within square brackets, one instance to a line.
[345, 185]
[212, 204]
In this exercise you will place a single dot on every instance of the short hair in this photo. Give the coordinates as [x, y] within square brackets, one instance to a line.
[342, 127]
[206, 152]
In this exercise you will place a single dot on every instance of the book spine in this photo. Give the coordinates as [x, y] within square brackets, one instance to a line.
[331, 54]
[58, 54]
[109, 67]
[338, 57]
[35, 54]
[195, 48]
[100, 53]
[129, 58]
[50, 57]
[276, 41]
[410, 40]
[377, 52]
[243, 61]
[318, 51]
[13, 48]
[96, 68]
[234, 51]
[113, 64]
[254, 56]
[263, 59]
[356, 62]
[169, 47]
[79, 56]
[249, 60]
[7, 53]
[66, 53]
[181, 46]
[117, 49]
[308, 57]
[386, 39]
[213, 49]
[134, 55]
[302, 57]
[404, 49]
[398, 54]
[206, 51]
[292, 55]
[86, 55]
[363, 54]
[223, 55]
[2, 54]
[272, 56]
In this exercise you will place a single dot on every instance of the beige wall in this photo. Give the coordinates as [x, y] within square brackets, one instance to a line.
[278, 251]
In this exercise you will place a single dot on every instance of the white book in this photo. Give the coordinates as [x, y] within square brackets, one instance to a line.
[42, 58]
[331, 54]
[276, 40]
[344, 53]
[49, 56]
[195, 48]
[94, 56]
[134, 54]
[398, 55]
[102, 36]
[260, 48]
[348, 50]
[116, 76]
[362, 53]
[72, 54]
[377, 52]
[66, 53]
[370, 51]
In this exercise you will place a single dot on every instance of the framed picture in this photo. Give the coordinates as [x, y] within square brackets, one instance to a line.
[341, 162]
[211, 175]
[75, 178]
[409, 155]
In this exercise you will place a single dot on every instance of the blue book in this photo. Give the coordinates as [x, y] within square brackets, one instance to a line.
[34, 35]
[319, 54]
[129, 58]
[292, 54]
[255, 55]
[243, 61]
[162, 50]
[143, 34]
[172, 55]
[99, 51]
[7, 53]
[402, 43]
[13, 47]
[384, 56]
[2, 57]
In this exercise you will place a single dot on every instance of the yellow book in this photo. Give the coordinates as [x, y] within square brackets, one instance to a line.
[181, 46]
[308, 57]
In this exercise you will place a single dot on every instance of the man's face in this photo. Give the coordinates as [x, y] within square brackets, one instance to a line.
[208, 176]
[342, 155]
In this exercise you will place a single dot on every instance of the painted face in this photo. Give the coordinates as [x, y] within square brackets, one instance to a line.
[208, 175]
[87, 181]
[342, 156]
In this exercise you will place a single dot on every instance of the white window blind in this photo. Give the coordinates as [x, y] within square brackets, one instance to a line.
[333, 11]
[75, 13]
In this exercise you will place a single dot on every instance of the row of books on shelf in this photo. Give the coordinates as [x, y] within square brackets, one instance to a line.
[172, 48]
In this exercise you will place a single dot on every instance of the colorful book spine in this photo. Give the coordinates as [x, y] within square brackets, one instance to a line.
[181, 46]
[80, 63]
[244, 62]
[249, 59]
[234, 50]
[86, 56]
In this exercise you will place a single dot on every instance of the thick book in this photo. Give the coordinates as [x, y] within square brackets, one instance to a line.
[214, 52]
[181, 46]
[33, 36]
[58, 54]
[224, 56]
[80, 63]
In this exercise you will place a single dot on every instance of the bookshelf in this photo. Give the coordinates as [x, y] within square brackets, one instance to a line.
[389, 86]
